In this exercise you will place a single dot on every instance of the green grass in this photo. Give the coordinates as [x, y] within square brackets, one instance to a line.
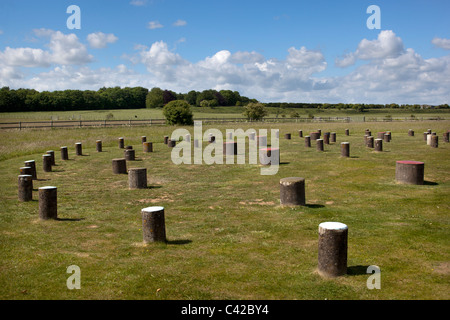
[228, 236]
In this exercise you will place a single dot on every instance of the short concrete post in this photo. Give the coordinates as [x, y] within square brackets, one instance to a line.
[137, 178]
[128, 147]
[326, 138]
[370, 142]
[143, 139]
[446, 136]
[411, 133]
[314, 135]
[429, 131]
[409, 172]
[307, 141]
[52, 154]
[368, 132]
[25, 186]
[230, 148]
[292, 191]
[320, 132]
[64, 153]
[333, 246]
[47, 163]
[196, 143]
[119, 166]
[267, 154]
[429, 135]
[48, 203]
[129, 154]
[333, 137]
[121, 143]
[171, 143]
[251, 136]
[387, 137]
[319, 144]
[434, 141]
[25, 171]
[425, 135]
[153, 224]
[380, 135]
[347, 132]
[187, 138]
[98, 145]
[211, 138]
[32, 165]
[300, 133]
[287, 136]
[78, 149]
[345, 149]
[147, 146]
[378, 145]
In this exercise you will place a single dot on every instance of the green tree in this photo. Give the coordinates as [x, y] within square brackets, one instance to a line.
[178, 112]
[255, 111]
[154, 98]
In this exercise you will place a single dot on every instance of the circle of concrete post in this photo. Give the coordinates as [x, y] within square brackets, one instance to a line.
[47, 163]
[137, 178]
[370, 141]
[171, 143]
[347, 132]
[409, 172]
[119, 166]
[292, 191]
[143, 139]
[121, 143]
[153, 224]
[300, 133]
[147, 146]
[333, 246]
[319, 144]
[98, 145]
[52, 154]
[25, 187]
[378, 145]
[387, 137]
[345, 149]
[48, 203]
[32, 165]
[64, 153]
[434, 141]
[78, 149]
[130, 154]
[307, 141]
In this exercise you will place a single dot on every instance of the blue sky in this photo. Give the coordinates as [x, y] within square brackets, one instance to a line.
[298, 51]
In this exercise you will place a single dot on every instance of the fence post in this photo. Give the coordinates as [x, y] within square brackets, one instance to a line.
[51, 124]
[104, 124]
[20, 125]
[80, 123]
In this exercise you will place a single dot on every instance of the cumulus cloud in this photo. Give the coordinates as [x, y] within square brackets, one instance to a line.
[441, 43]
[154, 25]
[387, 45]
[65, 49]
[179, 23]
[100, 40]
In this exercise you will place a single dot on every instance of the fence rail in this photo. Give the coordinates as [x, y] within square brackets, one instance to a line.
[151, 122]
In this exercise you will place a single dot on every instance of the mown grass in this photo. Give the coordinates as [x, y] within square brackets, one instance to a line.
[228, 237]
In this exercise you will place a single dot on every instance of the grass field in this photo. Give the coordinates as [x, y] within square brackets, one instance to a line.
[228, 236]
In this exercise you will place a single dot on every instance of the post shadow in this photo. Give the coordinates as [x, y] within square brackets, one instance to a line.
[357, 270]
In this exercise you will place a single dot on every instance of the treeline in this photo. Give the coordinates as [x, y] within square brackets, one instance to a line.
[353, 106]
[157, 98]
[104, 98]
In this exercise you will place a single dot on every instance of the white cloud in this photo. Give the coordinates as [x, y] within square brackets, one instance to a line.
[387, 45]
[441, 43]
[179, 23]
[154, 25]
[138, 3]
[100, 40]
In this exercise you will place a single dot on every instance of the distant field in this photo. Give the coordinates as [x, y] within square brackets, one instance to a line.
[217, 112]
[229, 238]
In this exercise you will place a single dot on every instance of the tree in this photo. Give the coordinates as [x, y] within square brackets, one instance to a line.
[191, 97]
[154, 98]
[178, 112]
[255, 111]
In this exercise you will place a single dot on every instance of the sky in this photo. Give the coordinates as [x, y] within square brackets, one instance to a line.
[273, 51]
